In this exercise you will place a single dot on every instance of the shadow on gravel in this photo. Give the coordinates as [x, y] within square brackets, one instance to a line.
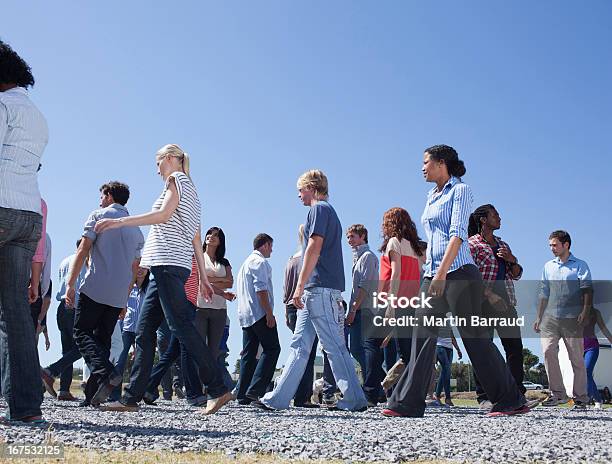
[134, 430]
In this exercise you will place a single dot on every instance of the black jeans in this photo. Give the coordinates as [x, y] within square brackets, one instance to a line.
[463, 298]
[304, 391]
[165, 298]
[65, 324]
[513, 347]
[256, 375]
[94, 324]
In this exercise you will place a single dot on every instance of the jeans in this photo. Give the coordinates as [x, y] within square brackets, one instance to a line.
[304, 391]
[172, 375]
[355, 341]
[256, 375]
[444, 356]
[128, 341]
[590, 359]
[513, 347]
[323, 315]
[19, 365]
[65, 325]
[94, 324]
[463, 298]
[166, 297]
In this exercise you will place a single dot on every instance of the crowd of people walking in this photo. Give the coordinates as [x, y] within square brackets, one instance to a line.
[119, 292]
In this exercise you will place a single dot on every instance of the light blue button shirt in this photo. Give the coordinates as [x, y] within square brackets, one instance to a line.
[23, 138]
[255, 275]
[447, 215]
[563, 285]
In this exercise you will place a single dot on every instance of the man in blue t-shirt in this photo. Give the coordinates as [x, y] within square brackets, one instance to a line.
[319, 303]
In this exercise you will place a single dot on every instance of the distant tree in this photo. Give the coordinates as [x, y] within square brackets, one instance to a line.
[237, 367]
[529, 360]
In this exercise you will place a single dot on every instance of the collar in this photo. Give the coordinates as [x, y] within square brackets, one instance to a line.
[118, 206]
[480, 239]
[19, 90]
[258, 253]
[360, 250]
[449, 184]
[570, 258]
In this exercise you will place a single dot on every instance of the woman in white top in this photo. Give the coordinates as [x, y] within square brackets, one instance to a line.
[173, 239]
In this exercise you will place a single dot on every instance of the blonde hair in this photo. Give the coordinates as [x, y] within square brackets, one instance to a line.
[176, 152]
[314, 180]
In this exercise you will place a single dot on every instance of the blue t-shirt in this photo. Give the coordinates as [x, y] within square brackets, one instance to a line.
[323, 221]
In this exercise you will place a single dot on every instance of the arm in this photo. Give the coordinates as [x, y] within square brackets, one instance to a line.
[135, 265]
[75, 269]
[311, 256]
[586, 285]
[602, 325]
[264, 301]
[223, 282]
[160, 216]
[206, 289]
[514, 268]
[456, 345]
[43, 313]
[541, 307]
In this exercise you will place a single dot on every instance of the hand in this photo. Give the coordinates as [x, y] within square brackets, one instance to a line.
[350, 317]
[437, 286]
[47, 344]
[32, 293]
[206, 291]
[70, 296]
[39, 328]
[122, 314]
[583, 317]
[459, 354]
[497, 302]
[229, 296]
[536, 326]
[386, 341]
[297, 298]
[270, 320]
[106, 224]
[505, 254]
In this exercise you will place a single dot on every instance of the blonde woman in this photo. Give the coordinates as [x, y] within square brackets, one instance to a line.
[173, 239]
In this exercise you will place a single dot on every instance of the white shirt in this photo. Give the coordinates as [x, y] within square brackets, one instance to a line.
[23, 137]
[213, 270]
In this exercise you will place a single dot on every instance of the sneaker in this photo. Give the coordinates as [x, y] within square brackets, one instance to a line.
[197, 402]
[552, 401]
[435, 404]
[149, 399]
[118, 406]
[84, 404]
[485, 405]
[579, 406]
[329, 401]
[33, 420]
[259, 405]
[212, 406]
[522, 410]
[180, 394]
[533, 403]
[244, 401]
[391, 413]
[449, 403]
[306, 405]
[66, 396]
[48, 381]
[597, 405]
[106, 388]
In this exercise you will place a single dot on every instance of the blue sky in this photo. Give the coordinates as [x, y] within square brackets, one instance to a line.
[257, 93]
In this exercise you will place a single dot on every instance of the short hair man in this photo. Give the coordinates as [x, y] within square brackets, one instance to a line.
[114, 258]
[255, 313]
[566, 297]
[23, 138]
[318, 299]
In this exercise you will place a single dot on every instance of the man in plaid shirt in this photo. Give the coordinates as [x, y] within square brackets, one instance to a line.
[499, 269]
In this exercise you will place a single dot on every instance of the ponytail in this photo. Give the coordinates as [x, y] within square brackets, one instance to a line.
[186, 164]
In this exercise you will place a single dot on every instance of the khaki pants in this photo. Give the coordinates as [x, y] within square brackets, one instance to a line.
[553, 330]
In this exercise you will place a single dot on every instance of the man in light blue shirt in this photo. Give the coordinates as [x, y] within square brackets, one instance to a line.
[23, 138]
[255, 313]
[566, 298]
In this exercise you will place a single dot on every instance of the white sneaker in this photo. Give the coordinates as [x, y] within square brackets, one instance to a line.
[597, 405]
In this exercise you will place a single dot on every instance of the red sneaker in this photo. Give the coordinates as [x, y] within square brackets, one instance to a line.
[522, 410]
[391, 413]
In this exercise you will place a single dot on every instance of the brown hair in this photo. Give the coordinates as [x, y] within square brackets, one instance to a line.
[360, 230]
[398, 223]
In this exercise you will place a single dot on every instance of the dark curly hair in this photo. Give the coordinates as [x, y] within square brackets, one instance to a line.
[450, 157]
[220, 251]
[118, 190]
[13, 69]
[398, 223]
[475, 224]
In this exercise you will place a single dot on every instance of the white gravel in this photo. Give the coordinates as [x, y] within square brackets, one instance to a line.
[544, 435]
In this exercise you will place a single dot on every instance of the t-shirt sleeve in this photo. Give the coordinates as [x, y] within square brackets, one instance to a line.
[259, 271]
[139, 243]
[584, 274]
[393, 245]
[88, 228]
[178, 181]
[319, 220]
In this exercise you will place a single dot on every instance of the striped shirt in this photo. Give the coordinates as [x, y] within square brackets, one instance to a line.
[171, 243]
[446, 215]
[23, 138]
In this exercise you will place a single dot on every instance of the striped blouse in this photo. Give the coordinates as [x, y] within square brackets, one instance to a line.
[171, 243]
[446, 215]
[23, 138]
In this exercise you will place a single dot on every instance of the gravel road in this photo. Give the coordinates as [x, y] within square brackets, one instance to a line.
[544, 435]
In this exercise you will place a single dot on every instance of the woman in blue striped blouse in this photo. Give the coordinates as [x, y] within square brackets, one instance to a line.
[455, 285]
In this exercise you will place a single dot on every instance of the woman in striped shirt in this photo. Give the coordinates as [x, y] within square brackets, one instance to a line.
[455, 285]
[173, 239]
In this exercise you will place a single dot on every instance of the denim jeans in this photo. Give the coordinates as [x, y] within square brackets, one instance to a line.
[128, 341]
[165, 298]
[323, 315]
[355, 341]
[65, 324]
[444, 356]
[256, 375]
[19, 365]
[172, 376]
[590, 359]
[304, 391]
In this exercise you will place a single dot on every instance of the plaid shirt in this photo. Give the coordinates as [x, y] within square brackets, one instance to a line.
[486, 260]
